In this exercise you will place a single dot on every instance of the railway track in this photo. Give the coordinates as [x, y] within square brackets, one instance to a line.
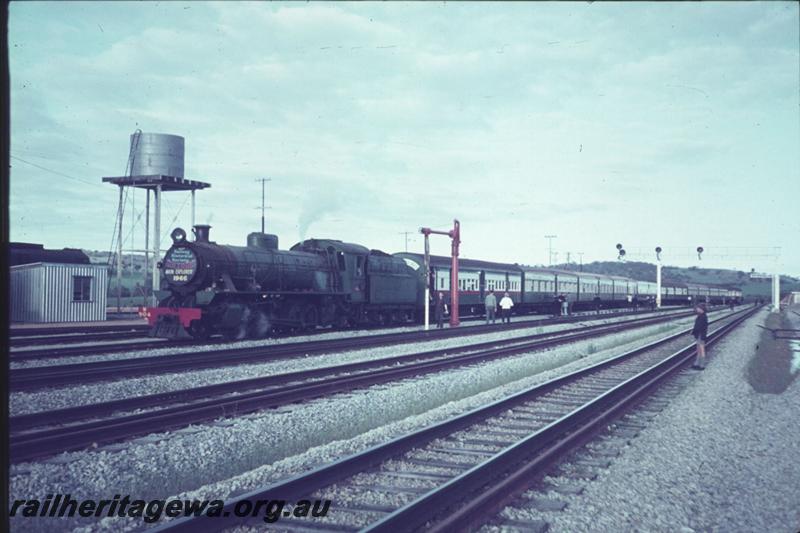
[109, 348]
[67, 330]
[18, 342]
[213, 401]
[455, 475]
[58, 375]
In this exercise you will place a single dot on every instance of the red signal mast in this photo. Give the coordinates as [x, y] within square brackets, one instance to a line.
[455, 236]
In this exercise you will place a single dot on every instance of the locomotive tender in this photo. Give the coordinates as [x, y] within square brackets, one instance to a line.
[246, 291]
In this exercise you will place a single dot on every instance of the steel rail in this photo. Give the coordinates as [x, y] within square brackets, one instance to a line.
[55, 375]
[67, 351]
[486, 488]
[60, 416]
[55, 352]
[432, 503]
[64, 330]
[31, 445]
[16, 342]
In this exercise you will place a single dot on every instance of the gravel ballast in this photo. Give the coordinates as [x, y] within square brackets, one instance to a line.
[247, 452]
[58, 398]
[721, 457]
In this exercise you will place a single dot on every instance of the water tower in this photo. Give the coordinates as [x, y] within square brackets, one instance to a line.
[155, 163]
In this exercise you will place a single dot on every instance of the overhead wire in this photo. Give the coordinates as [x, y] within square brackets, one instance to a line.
[54, 171]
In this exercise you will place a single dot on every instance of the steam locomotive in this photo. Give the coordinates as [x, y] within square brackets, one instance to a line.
[247, 291]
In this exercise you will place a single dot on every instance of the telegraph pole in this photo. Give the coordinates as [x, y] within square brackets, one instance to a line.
[263, 197]
[580, 256]
[406, 233]
[550, 238]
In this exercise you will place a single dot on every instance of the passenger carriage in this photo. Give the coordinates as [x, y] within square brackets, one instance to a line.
[475, 280]
[539, 289]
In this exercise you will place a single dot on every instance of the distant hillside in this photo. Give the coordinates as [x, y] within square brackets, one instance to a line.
[708, 276]
[129, 261]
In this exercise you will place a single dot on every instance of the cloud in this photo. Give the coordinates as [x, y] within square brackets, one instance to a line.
[377, 118]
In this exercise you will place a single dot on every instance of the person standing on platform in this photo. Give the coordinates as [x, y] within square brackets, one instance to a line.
[439, 310]
[506, 304]
[491, 306]
[699, 332]
[564, 305]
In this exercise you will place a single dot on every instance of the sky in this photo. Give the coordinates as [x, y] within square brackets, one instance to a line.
[645, 124]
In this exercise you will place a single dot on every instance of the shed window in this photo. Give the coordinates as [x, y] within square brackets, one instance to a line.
[81, 288]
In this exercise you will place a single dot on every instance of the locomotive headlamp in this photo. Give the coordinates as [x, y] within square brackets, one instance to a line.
[699, 252]
[178, 235]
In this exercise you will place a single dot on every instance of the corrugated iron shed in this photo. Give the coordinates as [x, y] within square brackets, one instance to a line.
[58, 292]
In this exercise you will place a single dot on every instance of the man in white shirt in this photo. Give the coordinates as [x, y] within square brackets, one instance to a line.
[506, 304]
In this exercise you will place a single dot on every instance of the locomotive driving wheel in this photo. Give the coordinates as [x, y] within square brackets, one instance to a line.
[198, 330]
[310, 319]
[239, 332]
[259, 324]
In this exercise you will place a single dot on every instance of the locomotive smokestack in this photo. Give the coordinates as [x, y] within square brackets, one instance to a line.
[201, 232]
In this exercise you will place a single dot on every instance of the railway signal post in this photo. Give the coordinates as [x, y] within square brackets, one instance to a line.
[658, 277]
[455, 236]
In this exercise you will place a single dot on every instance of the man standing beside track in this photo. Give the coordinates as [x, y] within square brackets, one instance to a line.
[699, 332]
[439, 310]
[506, 304]
[491, 306]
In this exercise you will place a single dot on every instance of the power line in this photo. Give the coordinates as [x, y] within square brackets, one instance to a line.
[55, 171]
[167, 231]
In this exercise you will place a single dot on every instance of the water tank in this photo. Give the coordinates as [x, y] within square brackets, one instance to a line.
[156, 153]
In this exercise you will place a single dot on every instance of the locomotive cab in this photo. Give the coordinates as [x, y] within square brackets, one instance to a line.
[347, 261]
